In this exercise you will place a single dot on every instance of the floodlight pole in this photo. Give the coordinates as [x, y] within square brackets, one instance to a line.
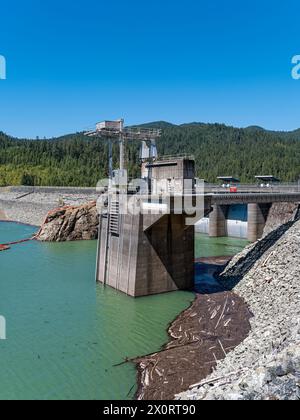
[110, 159]
[121, 144]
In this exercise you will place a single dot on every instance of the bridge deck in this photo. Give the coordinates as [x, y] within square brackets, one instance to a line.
[260, 198]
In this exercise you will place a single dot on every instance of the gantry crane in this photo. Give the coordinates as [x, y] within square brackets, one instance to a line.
[113, 131]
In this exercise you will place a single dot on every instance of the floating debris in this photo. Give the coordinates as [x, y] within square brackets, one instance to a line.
[4, 248]
[193, 356]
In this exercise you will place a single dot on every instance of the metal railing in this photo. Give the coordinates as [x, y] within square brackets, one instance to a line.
[175, 157]
[208, 188]
[255, 188]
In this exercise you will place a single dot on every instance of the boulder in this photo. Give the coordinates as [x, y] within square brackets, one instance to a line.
[70, 223]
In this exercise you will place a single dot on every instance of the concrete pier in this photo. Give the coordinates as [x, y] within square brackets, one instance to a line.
[218, 222]
[149, 254]
[257, 217]
[151, 248]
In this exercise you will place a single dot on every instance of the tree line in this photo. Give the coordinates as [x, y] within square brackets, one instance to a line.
[219, 150]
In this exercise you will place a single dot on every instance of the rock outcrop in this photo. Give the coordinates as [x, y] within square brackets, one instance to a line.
[266, 366]
[71, 223]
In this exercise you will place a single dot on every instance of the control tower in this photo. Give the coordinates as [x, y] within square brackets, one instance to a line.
[146, 240]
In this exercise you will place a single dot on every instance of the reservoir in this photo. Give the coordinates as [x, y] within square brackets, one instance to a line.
[65, 334]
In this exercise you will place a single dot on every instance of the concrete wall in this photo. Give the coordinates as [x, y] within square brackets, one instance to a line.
[151, 255]
[166, 257]
[168, 176]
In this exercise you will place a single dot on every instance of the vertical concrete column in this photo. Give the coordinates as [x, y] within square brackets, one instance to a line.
[257, 217]
[218, 222]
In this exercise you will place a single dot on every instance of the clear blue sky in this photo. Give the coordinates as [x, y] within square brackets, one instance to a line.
[72, 63]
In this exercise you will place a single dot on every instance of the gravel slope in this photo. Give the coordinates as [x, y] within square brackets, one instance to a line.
[32, 209]
[267, 364]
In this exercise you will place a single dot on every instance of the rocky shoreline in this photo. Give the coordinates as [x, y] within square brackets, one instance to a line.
[199, 337]
[266, 365]
[23, 206]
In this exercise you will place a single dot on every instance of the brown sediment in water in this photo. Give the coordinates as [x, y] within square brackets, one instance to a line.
[203, 334]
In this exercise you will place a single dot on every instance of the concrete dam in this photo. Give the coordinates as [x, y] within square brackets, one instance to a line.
[147, 228]
[151, 249]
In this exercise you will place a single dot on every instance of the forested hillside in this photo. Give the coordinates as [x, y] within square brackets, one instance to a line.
[76, 160]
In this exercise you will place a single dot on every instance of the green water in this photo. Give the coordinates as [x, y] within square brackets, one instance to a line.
[64, 332]
[218, 247]
[205, 279]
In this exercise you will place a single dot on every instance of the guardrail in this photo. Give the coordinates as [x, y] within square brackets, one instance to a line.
[255, 188]
[208, 189]
[247, 198]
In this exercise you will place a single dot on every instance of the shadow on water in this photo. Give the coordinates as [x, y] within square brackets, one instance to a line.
[206, 282]
[212, 256]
